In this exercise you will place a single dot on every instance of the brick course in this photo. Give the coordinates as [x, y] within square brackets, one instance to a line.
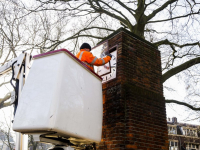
[134, 115]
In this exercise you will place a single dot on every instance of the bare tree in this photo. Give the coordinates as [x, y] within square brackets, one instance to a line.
[6, 138]
[6, 133]
[34, 145]
[171, 25]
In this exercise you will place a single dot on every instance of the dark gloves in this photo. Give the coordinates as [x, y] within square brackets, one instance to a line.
[108, 54]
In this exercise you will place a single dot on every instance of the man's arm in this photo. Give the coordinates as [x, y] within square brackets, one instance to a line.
[91, 59]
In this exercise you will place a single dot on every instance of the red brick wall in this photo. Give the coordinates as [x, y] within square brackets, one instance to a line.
[134, 114]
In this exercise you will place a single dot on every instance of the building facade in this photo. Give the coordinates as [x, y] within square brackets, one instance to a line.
[182, 135]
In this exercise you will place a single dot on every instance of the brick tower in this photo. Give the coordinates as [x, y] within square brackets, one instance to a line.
[134, 115]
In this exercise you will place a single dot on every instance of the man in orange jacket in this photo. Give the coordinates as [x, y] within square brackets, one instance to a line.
[87, 58]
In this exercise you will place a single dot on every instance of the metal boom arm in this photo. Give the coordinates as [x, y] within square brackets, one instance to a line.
[20, 67]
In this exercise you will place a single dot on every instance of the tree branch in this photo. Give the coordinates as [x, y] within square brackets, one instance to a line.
[180, 68]
[100, 10]
[151, 2]
[2, 100]
[150, 16]
[183, 16]
[119, 12]
[126, 7]
[4, 83]
[78, 35]
[182, 103]
[167, 42]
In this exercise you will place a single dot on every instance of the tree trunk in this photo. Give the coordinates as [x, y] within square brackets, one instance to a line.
[138, 29]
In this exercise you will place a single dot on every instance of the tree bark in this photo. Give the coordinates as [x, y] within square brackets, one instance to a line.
[182, 103]
[180, 68]
[2, 100]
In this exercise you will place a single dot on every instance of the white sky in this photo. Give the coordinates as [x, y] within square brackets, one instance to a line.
[174, 110]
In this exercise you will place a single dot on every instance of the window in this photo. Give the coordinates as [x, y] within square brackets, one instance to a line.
[172, 130]
[190, 132]
[191, 146]
[173, 145]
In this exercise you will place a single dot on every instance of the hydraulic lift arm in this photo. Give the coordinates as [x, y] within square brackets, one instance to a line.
[20, 67]
[22, 59]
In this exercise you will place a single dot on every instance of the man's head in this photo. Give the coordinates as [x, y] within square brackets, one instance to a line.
[86, 46]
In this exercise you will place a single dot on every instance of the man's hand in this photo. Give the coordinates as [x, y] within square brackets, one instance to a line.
[108, 54]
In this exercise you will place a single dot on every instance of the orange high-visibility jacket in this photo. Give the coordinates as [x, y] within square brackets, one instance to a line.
[89, 59]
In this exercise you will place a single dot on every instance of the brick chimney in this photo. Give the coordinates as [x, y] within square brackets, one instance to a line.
[134, 115]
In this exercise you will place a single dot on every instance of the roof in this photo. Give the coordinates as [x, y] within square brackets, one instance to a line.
[183, 124]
